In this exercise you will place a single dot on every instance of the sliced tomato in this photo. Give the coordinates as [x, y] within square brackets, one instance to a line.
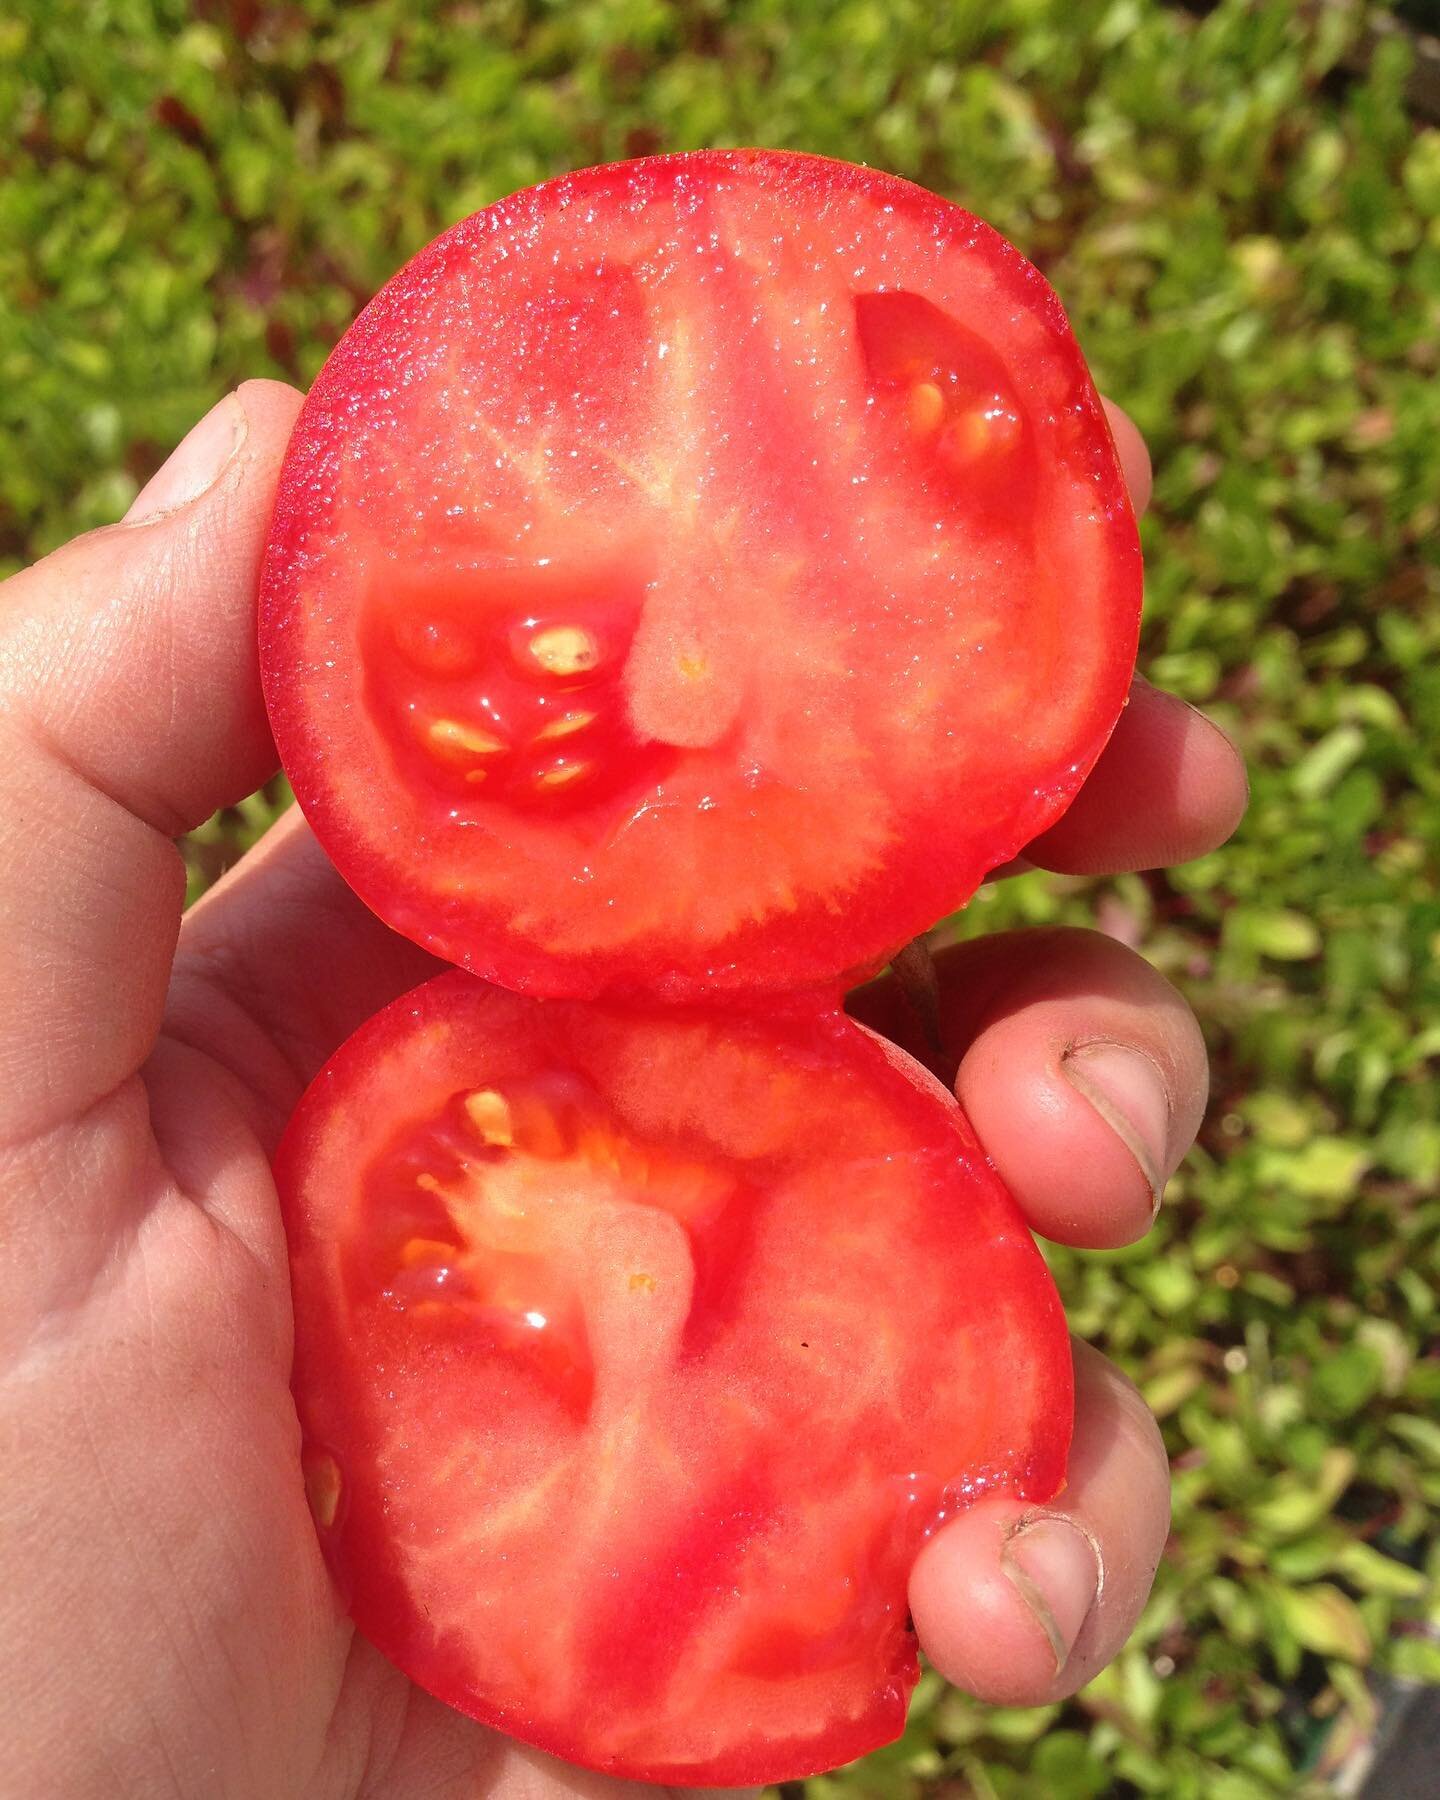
[639, 1348]
[697, 572]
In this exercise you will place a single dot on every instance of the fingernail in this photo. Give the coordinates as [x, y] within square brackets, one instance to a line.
[1218, 731]
[1128, 1091]
[195, 465]
[1055, 1569]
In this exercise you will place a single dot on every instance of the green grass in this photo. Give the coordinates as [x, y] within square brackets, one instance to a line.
[1247, 234]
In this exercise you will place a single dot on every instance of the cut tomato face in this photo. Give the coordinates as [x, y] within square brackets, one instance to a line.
[697, 573]
[638, 1349]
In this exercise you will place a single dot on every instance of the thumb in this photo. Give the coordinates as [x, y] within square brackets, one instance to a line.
[130, 708]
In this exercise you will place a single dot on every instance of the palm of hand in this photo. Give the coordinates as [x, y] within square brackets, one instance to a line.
[170, 1456]
[169, 1625]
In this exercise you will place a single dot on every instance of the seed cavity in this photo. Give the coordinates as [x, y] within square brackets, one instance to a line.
[640, 1283]
[565, 650]
[489, 1113]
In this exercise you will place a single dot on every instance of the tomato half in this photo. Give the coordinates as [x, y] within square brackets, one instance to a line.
[639, 1347]
[697, 572]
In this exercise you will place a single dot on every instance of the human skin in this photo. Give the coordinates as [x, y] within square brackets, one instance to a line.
[167, 1627]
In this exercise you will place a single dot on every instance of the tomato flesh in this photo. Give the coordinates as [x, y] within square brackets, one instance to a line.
[638, 1349]
[697, 573]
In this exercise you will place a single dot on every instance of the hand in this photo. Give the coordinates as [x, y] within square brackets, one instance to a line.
[168, 1626]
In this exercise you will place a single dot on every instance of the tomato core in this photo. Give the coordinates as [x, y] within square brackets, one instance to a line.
[506, 693]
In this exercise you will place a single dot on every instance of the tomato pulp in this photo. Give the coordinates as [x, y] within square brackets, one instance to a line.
[697, 573]
[638, 1347]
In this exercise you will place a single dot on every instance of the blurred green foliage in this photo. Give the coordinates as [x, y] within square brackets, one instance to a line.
[1244, 222]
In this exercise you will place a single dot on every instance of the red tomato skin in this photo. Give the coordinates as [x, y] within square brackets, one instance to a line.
[947, 822]
[883, 1210]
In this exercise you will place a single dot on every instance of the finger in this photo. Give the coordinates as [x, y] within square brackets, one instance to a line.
[1169, 786]
[133, 710]
[242, 989]
[1081, 1069]
[1021, 1605]
[1133, 453]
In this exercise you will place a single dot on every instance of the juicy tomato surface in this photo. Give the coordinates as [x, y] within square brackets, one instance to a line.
[639, 1347]
[697, 572]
